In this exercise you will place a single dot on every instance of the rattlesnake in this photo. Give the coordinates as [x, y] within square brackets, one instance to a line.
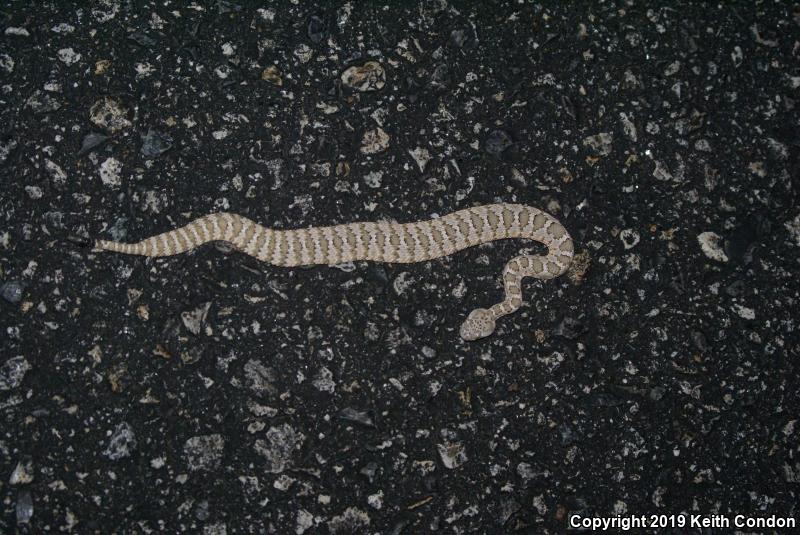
[384, 242]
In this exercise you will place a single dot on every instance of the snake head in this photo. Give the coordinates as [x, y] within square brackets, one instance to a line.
[479, 324]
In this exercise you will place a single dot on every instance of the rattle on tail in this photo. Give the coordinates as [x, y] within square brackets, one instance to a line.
[385, 242]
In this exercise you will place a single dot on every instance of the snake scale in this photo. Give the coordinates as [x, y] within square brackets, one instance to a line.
[384, 242]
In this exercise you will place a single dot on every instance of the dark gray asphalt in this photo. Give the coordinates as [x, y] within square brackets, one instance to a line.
[209, 394]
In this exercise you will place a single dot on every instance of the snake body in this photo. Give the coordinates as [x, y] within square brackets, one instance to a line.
[384, 242]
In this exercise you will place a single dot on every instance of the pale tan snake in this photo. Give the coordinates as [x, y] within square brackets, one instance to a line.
[385, 242]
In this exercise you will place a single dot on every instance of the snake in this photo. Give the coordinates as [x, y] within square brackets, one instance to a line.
[384, 241]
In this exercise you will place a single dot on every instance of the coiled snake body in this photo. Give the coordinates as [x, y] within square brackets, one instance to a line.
[384, 242]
